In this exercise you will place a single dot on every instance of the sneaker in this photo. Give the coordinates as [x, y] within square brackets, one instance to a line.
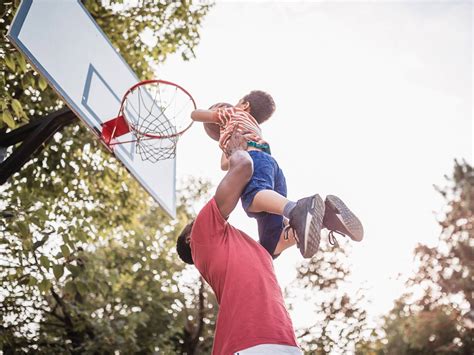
[306, 220]
[340, 219]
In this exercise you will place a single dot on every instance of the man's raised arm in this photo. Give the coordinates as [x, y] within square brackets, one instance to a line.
[239, 174]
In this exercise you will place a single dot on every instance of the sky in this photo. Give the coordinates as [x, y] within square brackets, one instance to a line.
[374, 103]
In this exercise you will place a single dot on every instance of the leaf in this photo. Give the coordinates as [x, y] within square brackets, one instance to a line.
[93, 286]
[17, 108]
[44, 285]
[70, 287]
[81, 287]
[30, 80]
[22, 63]
[65, 250]
[75, 270]
[10, 63]
[44, 261]
[3, 104]
[58, 271]
[104, 287]
[23, 229]
[27, 244]
[32, 281]
[82, 236]
[8, 119]
[42, 83]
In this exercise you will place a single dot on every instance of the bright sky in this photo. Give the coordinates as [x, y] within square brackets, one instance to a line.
[374, 101]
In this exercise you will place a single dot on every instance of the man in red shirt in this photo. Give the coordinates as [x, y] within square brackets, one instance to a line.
[252, 316]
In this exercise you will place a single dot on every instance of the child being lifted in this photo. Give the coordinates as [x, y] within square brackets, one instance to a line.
[264, 197]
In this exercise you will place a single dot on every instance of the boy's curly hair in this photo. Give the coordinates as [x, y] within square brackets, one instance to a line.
[261, 103]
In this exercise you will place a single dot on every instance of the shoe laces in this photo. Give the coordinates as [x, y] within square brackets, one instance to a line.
[332, 237]
[286, 231]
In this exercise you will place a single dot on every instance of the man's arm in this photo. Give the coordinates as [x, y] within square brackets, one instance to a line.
[240, 172]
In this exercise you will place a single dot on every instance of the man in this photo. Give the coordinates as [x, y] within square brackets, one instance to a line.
[252, 317]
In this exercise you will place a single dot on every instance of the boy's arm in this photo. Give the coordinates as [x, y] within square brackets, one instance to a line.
[224, 162]
[206, 116]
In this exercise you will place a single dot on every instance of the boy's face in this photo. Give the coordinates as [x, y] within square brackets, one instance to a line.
[243, 105]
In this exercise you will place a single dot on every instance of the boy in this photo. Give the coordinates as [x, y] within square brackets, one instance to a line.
[264, 197]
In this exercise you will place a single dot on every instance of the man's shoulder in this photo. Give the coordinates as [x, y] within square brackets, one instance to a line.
[210, 208]
[208, 223]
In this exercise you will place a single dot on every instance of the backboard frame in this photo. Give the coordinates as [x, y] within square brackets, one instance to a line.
[124, 155]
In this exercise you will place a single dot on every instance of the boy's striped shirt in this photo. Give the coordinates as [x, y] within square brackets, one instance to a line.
[231, 118]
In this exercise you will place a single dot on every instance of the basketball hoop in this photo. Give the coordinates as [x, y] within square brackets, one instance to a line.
[156, 113]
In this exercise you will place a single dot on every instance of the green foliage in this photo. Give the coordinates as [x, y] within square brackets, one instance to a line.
[88, 258]
[23, 92]
[339, 317]
[144, 34]
[412, 331]
[87, 261]
[436, 316]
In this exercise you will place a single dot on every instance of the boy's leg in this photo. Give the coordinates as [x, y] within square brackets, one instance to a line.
[270, 228]
[268, 201]
[269, 184]
[262, 183]
[287, 240]
[260, 197]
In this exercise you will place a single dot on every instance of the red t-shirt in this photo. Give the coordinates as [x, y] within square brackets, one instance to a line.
[240, 272]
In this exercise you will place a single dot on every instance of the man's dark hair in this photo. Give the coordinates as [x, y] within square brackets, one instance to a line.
[261, 103]
[182, 246]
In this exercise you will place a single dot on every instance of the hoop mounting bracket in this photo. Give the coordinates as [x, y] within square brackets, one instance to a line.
[114, 128]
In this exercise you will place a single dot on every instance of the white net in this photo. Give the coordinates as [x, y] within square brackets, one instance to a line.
[157, 113]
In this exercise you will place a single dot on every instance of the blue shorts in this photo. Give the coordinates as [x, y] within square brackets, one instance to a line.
[267, 175]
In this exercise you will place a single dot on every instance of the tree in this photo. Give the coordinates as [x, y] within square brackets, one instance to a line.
[339, 317]
[92, 280]
[437, 315]
[199, 319]
[86, 257]
[172, 27]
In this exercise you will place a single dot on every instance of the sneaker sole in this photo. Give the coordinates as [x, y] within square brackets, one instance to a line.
[347, 223]
[314, 223]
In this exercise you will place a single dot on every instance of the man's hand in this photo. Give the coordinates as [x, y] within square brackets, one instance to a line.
[236, 142]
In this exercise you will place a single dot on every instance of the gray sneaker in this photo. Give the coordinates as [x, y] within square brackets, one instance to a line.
[340, 219]
[306, 220]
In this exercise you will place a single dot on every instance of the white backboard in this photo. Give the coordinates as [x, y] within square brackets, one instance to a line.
[66, 46]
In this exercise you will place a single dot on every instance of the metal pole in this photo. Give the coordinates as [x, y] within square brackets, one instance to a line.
[32, 135]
